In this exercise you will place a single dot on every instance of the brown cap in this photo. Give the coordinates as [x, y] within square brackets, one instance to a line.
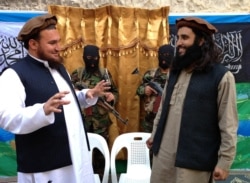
[197, 23]
[35, 25]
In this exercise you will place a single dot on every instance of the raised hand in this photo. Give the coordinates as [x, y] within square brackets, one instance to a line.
[98, 90]
[55, 103]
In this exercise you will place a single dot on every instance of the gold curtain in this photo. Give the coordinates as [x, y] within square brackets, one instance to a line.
[128, 38]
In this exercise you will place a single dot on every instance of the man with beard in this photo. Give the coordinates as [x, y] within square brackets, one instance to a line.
[97, 118]
[40, 106]
[151, 98]
[195, 130]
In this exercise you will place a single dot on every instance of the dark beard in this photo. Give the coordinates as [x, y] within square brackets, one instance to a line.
[192, 55]
[54, 65]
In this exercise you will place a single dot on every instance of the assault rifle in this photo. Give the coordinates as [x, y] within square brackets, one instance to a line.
[157, 87]
[105, 104]
[102, 102]
[111, 109]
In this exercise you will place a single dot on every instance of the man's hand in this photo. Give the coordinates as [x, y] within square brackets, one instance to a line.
[109, 96]
[149, 91]
[98, 90]
[149, 143]
[220, 174]
[55, 103]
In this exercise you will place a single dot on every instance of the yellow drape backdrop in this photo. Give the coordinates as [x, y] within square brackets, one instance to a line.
[128, 38]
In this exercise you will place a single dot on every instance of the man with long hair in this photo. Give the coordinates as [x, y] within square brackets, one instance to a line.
[195, 130]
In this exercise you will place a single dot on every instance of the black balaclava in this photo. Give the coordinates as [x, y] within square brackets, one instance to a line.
[91, 58]
[165, 56]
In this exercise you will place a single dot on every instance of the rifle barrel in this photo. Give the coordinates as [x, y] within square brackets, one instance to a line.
[115, 112]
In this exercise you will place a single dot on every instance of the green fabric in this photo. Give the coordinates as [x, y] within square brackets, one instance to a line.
[121, 166]
[8, 165]
[242, 159]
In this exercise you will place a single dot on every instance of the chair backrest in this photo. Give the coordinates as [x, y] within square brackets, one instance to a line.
[97, 141]
[138, 160]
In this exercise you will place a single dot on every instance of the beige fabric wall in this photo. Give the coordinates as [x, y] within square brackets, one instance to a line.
[128, 38]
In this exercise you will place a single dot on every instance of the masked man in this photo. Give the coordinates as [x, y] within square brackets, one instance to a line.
[97, 118]
[151, 97]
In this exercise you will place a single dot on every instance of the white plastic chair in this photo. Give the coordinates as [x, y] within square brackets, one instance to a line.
[97, 141]
[138, 160]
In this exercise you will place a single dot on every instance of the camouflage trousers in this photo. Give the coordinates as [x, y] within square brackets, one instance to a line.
[147, 123]
[98, 125]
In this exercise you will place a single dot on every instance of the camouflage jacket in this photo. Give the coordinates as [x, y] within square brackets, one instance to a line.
[154, 75]
[82, 79]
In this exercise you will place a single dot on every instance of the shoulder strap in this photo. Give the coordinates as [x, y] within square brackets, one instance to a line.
[102, 71]
[80, 72]
[153, 72]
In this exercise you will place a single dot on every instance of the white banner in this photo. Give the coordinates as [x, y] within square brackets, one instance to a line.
[10, 48]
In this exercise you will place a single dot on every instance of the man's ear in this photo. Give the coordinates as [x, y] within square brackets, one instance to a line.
[201, 42]
[33, 44]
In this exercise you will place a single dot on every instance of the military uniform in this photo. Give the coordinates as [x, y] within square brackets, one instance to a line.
[151, 103]
[96, 117]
